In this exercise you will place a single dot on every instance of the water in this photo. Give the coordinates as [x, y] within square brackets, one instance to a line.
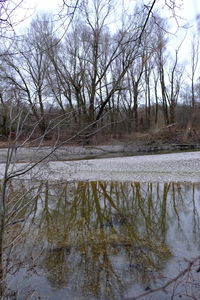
[102, 240]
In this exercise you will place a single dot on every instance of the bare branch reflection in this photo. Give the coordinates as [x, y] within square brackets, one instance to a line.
[97, 239]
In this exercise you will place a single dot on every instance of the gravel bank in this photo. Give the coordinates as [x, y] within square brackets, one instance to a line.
[26, 154]
[179, 167]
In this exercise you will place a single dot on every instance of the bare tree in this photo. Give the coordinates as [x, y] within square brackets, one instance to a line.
[192, 77]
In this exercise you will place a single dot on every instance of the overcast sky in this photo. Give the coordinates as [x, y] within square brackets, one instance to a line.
[191, 7]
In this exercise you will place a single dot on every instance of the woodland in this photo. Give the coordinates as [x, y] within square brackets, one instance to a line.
[98, 69]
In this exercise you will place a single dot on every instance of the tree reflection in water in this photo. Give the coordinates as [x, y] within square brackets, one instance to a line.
[96, 239]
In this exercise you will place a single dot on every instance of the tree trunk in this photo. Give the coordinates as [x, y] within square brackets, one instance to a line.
[172, 113]
[2, 227]
[156, 98]
[135, 105]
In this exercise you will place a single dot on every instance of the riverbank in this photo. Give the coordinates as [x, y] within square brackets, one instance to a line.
[65, 153]
[176, 167]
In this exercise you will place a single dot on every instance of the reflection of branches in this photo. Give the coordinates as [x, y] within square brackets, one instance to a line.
[96, 226]
[174, 280]
[101, 231]
[196, 228]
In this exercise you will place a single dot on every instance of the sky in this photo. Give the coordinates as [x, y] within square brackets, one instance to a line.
[191, 8]
[44, 5]
[188, 15]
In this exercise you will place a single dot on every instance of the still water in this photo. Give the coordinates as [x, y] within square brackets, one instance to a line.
[102, 240]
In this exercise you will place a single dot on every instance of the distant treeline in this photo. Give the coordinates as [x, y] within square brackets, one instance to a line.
[122, 81]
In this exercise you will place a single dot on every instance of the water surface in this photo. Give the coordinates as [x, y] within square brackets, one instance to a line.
[102, 240]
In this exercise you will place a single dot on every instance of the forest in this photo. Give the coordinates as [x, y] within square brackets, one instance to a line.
[100, 67]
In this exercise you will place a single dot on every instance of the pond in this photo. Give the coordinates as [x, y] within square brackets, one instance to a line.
[102, 240]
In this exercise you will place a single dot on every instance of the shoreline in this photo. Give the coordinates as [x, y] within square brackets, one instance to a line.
[68, 153]
[173, 167]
